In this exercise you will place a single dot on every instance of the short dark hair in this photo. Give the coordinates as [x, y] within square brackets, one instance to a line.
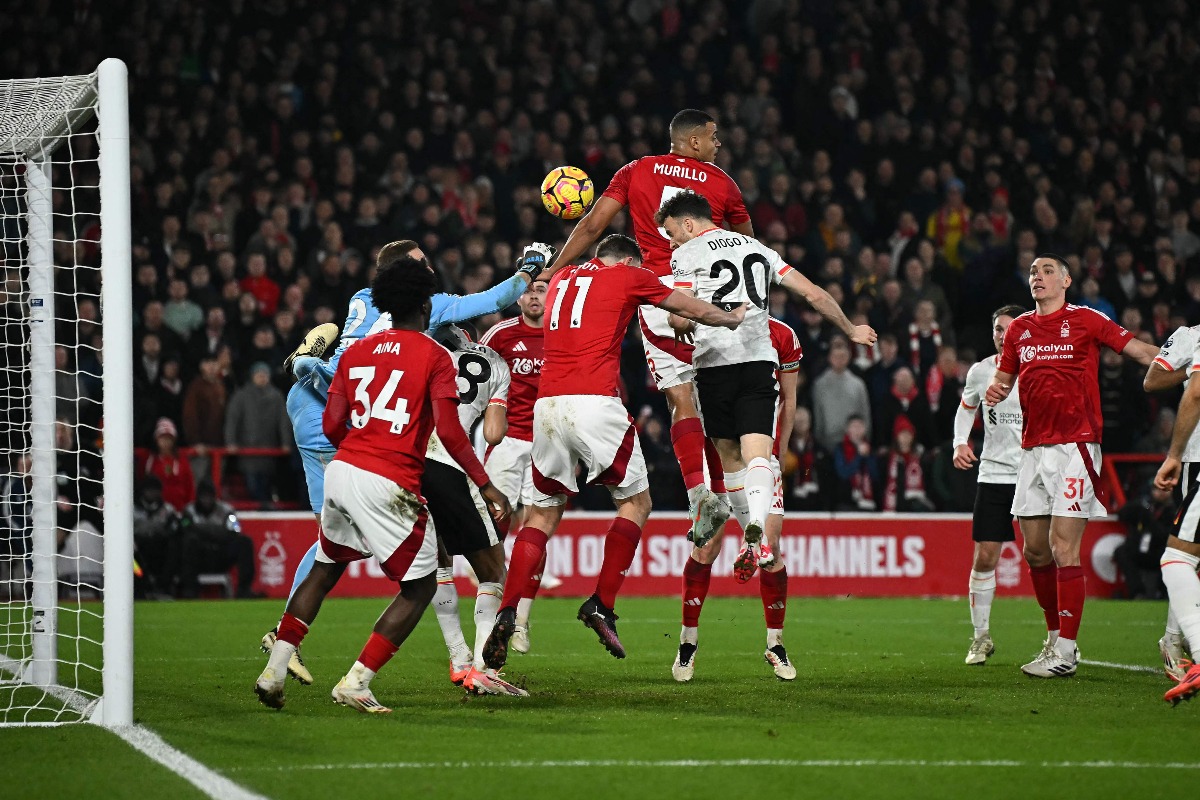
[687, 121]
[684, 204]
[618, 246]
[1062, 262]
[402, 287]
[1013, 311]
[394, 251]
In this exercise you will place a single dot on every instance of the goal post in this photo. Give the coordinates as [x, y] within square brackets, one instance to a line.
[66, 400]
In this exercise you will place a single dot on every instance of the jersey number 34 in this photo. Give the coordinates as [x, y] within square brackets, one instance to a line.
[378, 407]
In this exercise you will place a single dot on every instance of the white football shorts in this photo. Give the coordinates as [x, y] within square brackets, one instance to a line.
[1059, 480]
[595, 430]
[509, 467]
[367, 514]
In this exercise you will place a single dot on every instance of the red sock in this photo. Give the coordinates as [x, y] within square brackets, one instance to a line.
[716, 470]
[687, 437]
[1071, 584]
[535, 580]
[1045, 588]
[773, 588]
[502, 526]
[619, 546]
[528, 551]
[291, 629]
[696, 577]
[376, 652]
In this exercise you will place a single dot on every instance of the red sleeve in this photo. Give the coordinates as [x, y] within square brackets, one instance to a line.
[618, 187]
[333, 421]
[1110, 333]
[338, 386]
[1008, 353]
[645, 286]
[735, 206]
[787, 346]
[454, 439]
[443, 378]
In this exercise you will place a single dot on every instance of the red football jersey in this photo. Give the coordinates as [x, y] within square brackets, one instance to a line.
[589, 308]
[391, 379]
[522, 346]
[644, 184]
[1057, 359]
[787, 346]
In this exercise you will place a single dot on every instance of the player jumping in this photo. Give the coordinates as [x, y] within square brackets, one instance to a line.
[578, 417]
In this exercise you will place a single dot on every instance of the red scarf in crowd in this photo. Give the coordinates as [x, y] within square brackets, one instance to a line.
[933, 387]
[905, 479]
[804, 480]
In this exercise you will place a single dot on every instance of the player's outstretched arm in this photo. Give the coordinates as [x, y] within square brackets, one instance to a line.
[744, 228]
[964, 420]
[827, 307]
[333, 419]
[701, 311]
[1159, 378]
[585, 233]
[1141, 352]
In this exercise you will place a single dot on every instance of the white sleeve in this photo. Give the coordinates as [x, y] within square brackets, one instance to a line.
[779, 267]
[501, 380]
[964, 415]
[1177, 351]
[683, 268]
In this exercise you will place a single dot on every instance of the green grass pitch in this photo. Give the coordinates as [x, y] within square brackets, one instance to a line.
[881, 683]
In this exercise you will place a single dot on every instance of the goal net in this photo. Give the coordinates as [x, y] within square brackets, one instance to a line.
[66, 461]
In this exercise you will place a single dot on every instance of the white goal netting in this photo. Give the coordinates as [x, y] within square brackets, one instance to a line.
[52, 382]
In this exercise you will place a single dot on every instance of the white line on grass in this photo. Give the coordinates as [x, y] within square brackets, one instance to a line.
[835, 763]
[1127, 667]
[213, 784]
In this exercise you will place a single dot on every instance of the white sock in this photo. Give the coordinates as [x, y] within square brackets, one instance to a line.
[1183, 589]
[445, 605]
[1065, 647]
[524, 605]
[983, 590]
[281, 654]
[735, 493]
[1172, 623]
[359, 677]
[760, 489]
[487, 603]
[774, 637]
[689, 635]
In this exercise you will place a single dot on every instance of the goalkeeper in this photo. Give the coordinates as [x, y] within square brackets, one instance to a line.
[306, 399]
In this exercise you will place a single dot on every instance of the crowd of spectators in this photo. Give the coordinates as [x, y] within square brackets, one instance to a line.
[910, 156]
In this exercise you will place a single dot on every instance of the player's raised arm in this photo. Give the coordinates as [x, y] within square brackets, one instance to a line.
[585, 233]
[827, 307]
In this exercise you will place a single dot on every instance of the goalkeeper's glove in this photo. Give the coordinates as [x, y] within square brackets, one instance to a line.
[535, 259]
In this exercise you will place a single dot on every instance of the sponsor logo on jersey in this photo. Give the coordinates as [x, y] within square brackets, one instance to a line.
[527, 366]
[1024, 336]
[680, 171]
[1047, 352]
[1065, 330]
[520, 347]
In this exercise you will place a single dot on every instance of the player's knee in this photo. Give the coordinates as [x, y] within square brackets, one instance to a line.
[1036, 556]
[708, 554]
[637, 507]
[420, 590]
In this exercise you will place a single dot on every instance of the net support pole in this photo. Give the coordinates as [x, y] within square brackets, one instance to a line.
[116, 302]
[43, 518]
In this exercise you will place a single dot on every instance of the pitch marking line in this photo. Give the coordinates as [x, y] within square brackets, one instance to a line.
[213, 784]
[744, 762]
[1126, 667]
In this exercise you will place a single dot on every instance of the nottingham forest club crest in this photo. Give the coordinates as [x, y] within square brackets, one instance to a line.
[1065, 330]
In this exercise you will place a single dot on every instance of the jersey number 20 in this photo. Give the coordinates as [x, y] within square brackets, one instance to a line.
[377, 407]
[735, 277]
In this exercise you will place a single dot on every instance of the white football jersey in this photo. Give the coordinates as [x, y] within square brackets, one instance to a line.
[1002, 424]
[728, 269]
[1181, 350]
[483, 379]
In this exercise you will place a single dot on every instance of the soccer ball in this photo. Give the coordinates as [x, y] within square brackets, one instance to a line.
[567, 192]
